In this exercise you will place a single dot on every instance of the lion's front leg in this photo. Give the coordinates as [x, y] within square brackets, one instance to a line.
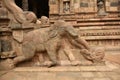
[52, 50]
[28, 51]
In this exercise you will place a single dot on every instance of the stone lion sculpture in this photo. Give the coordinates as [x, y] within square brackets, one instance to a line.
[51, 39]
[46, 39]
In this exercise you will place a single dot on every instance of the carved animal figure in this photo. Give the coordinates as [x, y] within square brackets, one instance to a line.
[45, 39]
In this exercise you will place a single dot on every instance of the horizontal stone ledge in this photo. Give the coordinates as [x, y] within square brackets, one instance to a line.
[66, 69]
[6, 30]
[101, 37]
[97, 24]
[91, 20]
[99, 28]
[4, 18]
[108, 67]
[99, 19]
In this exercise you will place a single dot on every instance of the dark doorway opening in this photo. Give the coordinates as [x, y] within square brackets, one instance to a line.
[19, 3]
[39, 7]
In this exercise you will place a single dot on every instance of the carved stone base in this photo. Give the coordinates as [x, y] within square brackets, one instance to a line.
[6, 64]
[107, 67]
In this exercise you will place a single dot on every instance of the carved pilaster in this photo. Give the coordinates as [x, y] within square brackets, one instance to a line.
[61, 6]
[72, 6]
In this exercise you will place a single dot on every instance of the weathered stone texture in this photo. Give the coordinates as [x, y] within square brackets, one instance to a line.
[97, 25]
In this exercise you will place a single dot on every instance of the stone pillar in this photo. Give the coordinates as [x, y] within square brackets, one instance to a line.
[61, 6]
[25, 5]
[76, 5]
[72, 6]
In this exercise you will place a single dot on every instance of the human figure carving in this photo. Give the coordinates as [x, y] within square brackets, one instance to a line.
[101, 7]
[66, 7]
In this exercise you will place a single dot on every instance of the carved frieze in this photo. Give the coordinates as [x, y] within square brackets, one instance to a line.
[100, 33]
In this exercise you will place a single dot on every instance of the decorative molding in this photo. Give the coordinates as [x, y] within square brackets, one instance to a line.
[100, 33]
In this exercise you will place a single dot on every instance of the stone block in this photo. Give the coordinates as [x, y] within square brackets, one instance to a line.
[113, 9]
[107, 3]
[87, 74]
[101, 79]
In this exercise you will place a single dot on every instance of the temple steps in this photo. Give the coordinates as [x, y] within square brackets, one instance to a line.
[115, 27]
[98, 19]
[97, 22]
[103, 32]
[101, 37]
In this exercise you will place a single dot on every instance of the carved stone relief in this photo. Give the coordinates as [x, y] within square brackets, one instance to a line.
[101, 7]
[59, 38]
[66, 7]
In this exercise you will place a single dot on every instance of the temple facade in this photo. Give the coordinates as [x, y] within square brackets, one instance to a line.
[98, 21]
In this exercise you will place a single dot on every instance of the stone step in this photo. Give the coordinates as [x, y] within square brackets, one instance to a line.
[99, 32]
[65, 69]
[116, 27]
[90, 20]
[101, 37]
[108, 66]
[86, 24]
[94, 22]
[98, 20]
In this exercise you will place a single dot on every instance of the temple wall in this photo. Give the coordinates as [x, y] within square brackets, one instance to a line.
[98, 29]
[83, 8]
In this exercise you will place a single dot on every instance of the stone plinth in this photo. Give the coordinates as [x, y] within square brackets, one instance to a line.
[108, 72]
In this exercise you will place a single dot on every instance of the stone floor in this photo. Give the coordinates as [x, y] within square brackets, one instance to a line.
[109, 72]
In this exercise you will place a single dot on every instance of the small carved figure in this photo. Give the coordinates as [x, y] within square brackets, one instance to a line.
[66, 7]
[44, 20]
[101, 8]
